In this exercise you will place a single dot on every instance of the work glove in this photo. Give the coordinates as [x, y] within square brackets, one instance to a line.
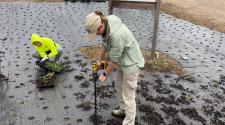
[44, 58]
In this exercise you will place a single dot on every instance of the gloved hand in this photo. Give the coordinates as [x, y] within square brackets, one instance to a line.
[102, 77]
[44, 58]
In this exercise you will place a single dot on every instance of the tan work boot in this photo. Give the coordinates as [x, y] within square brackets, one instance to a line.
[119, 113]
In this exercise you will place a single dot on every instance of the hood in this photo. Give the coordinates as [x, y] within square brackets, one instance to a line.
[35, 37]
[114, 23]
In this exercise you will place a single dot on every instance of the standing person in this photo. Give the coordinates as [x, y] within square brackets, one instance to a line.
[125, 56]
[45, 48]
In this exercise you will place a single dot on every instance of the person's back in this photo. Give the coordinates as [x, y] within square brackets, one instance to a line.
[122, 37]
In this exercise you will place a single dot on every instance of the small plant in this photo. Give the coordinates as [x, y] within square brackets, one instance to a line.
[83, 64]
[55, 67]
[66, 57]
[79, 77]
[46, 78]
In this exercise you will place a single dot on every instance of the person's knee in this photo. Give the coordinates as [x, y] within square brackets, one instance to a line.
[60, 50]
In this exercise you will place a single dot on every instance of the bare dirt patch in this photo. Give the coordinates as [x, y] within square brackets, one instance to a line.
[208, 13]
[164, 63]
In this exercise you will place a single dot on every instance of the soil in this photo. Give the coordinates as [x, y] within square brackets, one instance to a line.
[193, 114]
[207, 13]
[177, 121]
[79, 95]
[86, 106]
[96, 119]
[151, 117]
[114, 122]
[79, 77]
[170, 111]
[202, 12]
[164, 63]
[85, 84]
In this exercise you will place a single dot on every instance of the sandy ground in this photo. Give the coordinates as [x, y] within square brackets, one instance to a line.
[208, 13]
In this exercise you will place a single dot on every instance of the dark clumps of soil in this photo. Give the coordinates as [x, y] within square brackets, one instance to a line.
[48, 119]
[83, 64]
[66, 57]
[160, 87]
[208, 101]
[66, 119]
[218, 114]
[222, 79]
[106, 94]
[86, 106]
[96, 119]
[216, 121]
[204, 86]
[144, 87]
[159, 81]
[223, 109]
[151, 117]
[170, 111]
[79, 95]
[78, 61]
[31, 118]
[114, 122]
[208, 110]
[85, 84]
[104, 106]
[79, 77]
[183, 99]
[193, 114]
[177, 121]
[79, 120]
[85, 70]
[219, 97]
[188, 78]
[177, 86]
[170, 100]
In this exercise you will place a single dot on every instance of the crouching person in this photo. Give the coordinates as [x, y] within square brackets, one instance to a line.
[45, 49]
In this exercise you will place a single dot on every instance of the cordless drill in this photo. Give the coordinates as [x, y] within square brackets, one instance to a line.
[95, 68]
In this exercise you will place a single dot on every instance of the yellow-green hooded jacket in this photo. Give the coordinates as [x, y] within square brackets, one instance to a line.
[47, 45]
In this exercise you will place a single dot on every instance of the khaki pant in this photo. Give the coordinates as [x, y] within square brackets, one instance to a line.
[125, 85]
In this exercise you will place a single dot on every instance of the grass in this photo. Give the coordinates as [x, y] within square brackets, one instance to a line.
[164, 63]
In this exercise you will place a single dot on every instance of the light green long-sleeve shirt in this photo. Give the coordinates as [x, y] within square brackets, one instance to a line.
[122, 46]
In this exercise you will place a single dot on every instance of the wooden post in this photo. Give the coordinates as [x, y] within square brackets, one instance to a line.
[110, 7]
[155, 31]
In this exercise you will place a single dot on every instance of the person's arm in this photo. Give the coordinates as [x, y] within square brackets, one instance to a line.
[101, 55]
[41, 52]
[51, 45]
[115, 54]
[110, 67]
